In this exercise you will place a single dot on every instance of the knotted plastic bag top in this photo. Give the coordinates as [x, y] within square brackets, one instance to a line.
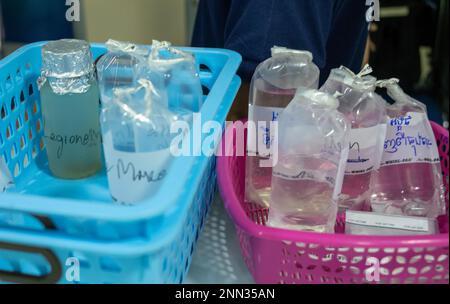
[357, 97]
[121, 67]
[176, 72]
[289, 69]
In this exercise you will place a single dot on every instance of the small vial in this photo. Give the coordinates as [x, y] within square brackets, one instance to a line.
[70, 109]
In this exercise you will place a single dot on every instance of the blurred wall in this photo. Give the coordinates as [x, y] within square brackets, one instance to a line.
[138, 21]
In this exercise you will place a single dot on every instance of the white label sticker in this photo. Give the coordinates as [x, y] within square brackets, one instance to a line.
[365, 149]
[262, 117]
[376, 220]
[134, 177]
[410, 139]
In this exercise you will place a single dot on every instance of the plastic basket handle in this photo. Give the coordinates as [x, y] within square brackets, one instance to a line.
[16, 277]
[47, 222]
[55, 267]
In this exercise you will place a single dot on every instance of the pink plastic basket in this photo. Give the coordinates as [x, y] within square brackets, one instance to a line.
[287, 257]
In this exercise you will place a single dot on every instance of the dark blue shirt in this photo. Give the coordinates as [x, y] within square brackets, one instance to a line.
[335, 31]
[30, 20]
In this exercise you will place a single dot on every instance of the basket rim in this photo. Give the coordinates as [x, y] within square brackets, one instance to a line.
[246, 225]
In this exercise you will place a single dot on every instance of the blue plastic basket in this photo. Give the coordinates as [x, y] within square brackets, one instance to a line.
[152, 242]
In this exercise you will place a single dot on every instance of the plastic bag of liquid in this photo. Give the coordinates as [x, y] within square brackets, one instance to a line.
[136, 175]
[176, 72]
[135, 122]
[366, 111]
[307, 178]
[409, 181]
[121, 67]
[274, 85]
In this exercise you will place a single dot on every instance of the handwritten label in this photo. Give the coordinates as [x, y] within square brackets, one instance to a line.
[90, 139]
[134, 177]
[365, 149]
[128, 170]
[264, 134]
[410, 139]
[312, 175]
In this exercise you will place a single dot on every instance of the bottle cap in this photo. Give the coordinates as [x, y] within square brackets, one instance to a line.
[66, 58]
[67, 65]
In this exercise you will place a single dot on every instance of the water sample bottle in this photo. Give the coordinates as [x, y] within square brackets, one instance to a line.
[313, 150]
[409, 181]
[366, 111]
[274, 85]
[70, 109]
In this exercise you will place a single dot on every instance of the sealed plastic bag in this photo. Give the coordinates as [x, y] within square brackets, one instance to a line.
[313, 150]
[135, 176]
[274, 85]
[177, 73]
[366, 111]
[135, 124]
[409, 181]
[121, 67]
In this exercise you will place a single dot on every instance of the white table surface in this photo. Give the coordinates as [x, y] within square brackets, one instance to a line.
[217, 258]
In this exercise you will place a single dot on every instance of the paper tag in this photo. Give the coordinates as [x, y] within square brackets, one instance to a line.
[262, 117]
[134, 177]
[376, 223]
[6, 180]
[410, 139]
[365, 149]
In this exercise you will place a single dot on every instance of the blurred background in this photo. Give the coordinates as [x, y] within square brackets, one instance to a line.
[410, 42]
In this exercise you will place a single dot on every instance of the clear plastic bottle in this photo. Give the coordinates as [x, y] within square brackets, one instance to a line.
[274, 85]
[409, 181]
[366, 111]
[313, 150]
[70, 109]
